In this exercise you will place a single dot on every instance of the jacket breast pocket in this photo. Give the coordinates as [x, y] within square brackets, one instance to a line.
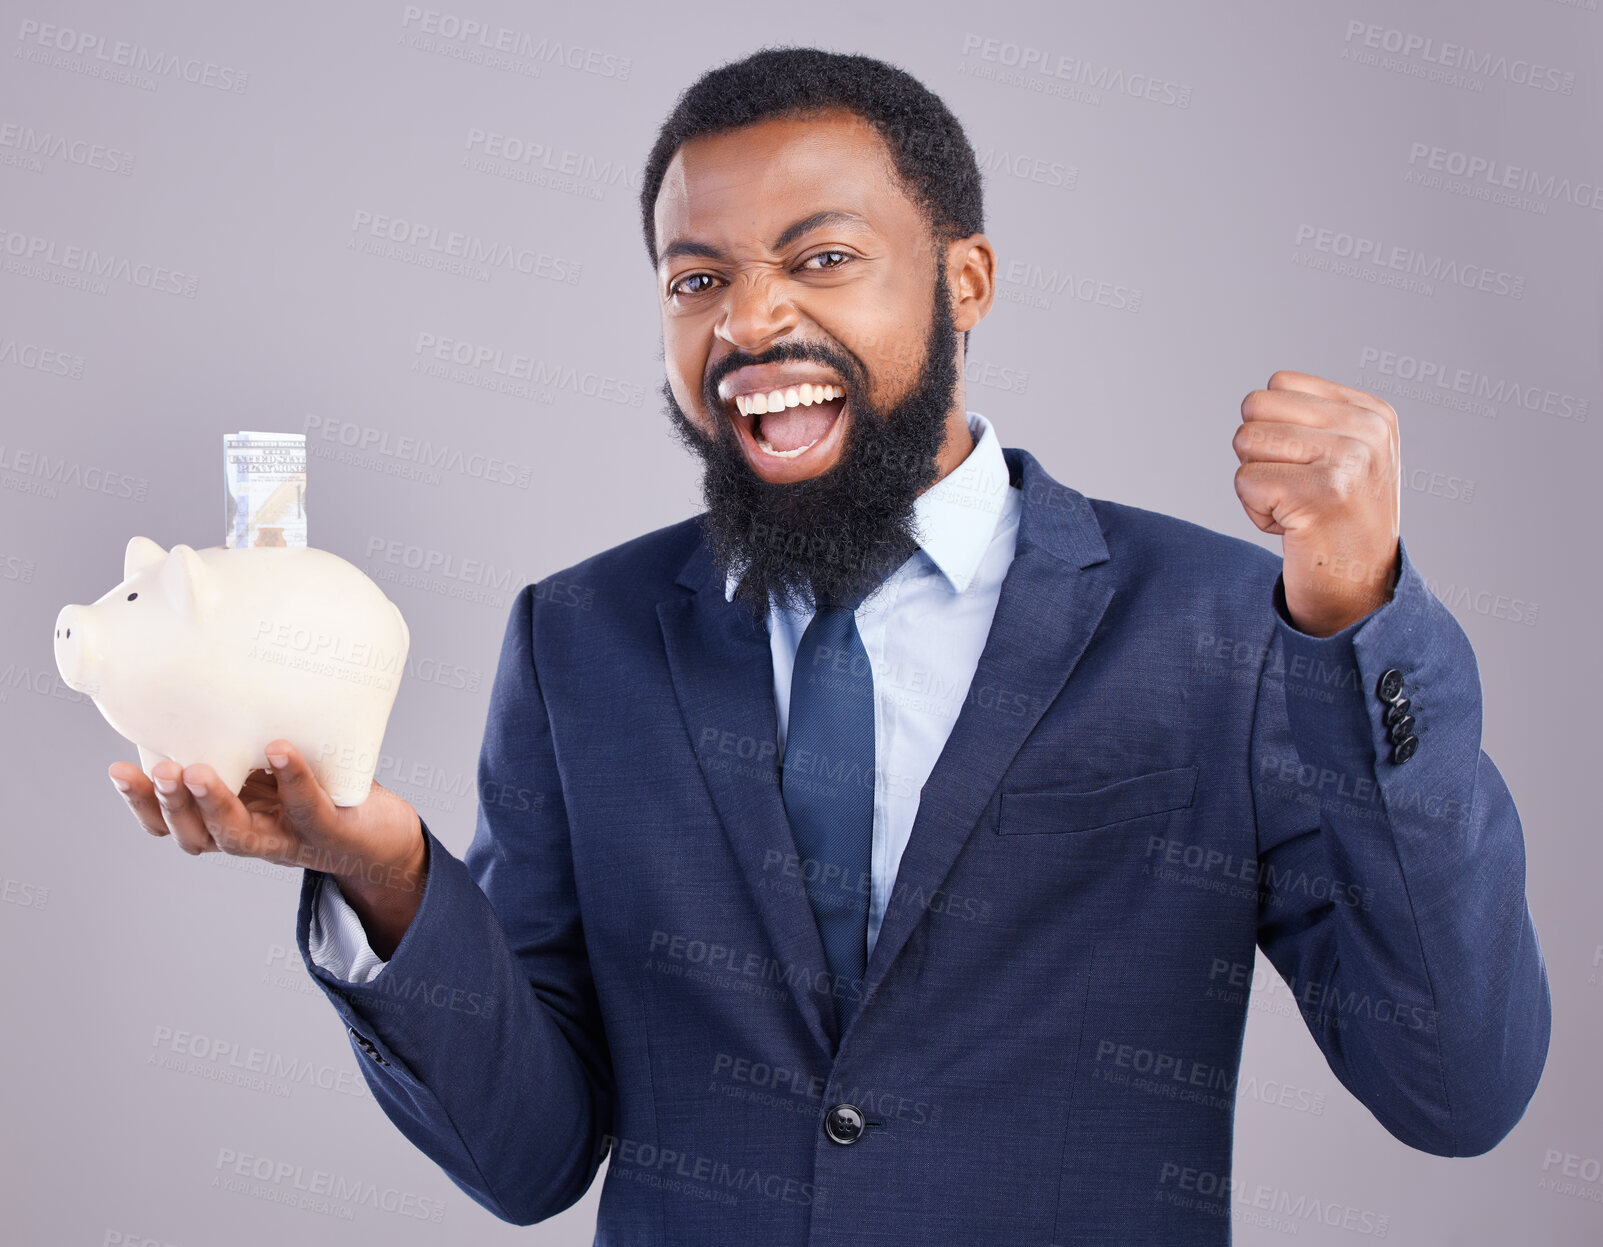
[1056, 810]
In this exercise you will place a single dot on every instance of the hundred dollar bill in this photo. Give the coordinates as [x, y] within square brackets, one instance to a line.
[264, 485]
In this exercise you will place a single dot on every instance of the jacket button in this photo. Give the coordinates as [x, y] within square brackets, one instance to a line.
[1391, 684]
[366, 1045]
[1402, 730]
[844, 1123]
[1397, 710]
[1404, 749]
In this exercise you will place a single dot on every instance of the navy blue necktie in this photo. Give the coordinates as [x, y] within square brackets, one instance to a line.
[827, 780]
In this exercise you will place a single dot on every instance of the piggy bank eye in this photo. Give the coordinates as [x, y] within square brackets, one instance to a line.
[133, 595]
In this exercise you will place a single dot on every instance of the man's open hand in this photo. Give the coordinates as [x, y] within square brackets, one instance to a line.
[375, 850]
[1321, 466]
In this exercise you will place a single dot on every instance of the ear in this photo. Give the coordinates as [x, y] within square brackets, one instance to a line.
[973, 261]
[183, 582]
[142, 552]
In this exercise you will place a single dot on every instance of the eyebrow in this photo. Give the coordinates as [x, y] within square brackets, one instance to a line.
[793, 231]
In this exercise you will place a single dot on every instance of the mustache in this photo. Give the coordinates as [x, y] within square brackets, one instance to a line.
[839, 360]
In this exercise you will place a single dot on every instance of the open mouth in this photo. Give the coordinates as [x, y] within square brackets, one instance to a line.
[787, 423]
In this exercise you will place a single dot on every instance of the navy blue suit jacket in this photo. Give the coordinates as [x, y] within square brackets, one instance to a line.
[1153, 773]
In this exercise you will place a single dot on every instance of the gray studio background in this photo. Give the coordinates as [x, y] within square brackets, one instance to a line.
[1165, 245]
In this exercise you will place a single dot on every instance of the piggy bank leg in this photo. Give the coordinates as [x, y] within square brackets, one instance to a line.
[232, 771]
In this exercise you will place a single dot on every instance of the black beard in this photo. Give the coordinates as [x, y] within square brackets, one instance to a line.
[835, 536]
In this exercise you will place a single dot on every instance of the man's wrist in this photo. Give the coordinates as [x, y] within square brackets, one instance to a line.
[386, 896]
[1345, 604]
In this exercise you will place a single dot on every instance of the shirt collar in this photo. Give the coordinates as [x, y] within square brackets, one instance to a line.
[956, 517]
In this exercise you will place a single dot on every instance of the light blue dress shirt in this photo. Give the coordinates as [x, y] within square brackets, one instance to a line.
[923, 629]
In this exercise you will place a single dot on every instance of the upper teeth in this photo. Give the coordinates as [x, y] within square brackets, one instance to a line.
[804, 394]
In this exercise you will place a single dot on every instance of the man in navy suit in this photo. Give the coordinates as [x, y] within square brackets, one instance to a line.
[936, 929]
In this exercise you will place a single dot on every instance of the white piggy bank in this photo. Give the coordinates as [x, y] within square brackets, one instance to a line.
[208, 655]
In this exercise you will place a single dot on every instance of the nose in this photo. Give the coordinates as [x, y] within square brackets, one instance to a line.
[757, 308]
[69, 642]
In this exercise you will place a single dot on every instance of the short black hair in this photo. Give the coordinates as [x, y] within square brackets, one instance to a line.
[926, 142]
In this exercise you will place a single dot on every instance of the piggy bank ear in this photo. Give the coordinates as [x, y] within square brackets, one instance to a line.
[182, 581]
[142, 553]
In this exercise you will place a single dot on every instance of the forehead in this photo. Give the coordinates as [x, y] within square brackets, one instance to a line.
[748, 184]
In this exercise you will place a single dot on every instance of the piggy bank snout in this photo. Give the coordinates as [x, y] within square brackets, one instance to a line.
[72, 626]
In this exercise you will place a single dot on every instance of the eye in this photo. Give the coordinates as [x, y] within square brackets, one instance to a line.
[675, 287]
[133, 595]
[844, 256]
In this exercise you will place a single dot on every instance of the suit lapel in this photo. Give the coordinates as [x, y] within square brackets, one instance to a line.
[1052, 598]
[723, 674]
